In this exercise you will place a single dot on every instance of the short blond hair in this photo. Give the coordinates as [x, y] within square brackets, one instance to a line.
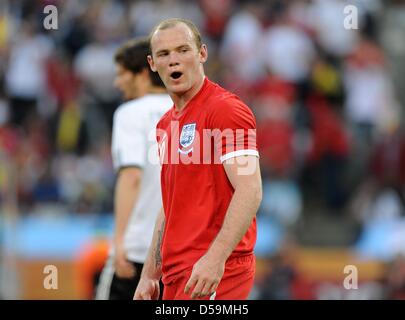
[170, 23]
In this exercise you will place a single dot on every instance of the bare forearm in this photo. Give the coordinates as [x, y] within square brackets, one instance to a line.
[126, 194]
[153, 264]
[242, 209]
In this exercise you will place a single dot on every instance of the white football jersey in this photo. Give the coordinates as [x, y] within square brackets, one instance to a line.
[134, 144]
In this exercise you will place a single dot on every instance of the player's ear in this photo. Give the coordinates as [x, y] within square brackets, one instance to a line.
[203, 53]
[151, 63]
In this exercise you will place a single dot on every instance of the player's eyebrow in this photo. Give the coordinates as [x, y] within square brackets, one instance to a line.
[162, 51]
[183, 46]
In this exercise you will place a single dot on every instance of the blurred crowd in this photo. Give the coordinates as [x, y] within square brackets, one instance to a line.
[328, 100]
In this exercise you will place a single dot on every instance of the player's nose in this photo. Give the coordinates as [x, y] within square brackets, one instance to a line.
[173, 59]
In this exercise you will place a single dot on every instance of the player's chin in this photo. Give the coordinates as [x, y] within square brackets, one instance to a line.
[176, 88]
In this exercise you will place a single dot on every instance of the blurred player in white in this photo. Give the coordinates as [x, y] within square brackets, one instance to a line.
[137, 191]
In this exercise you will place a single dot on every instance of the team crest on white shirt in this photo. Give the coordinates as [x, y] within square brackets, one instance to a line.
[187, 137]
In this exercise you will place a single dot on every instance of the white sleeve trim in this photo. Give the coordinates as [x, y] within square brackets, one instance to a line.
[238, 153]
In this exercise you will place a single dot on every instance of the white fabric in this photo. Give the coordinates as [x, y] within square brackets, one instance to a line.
[288, 52]
[106, 277]
[328, 22]
[239, 153]
[133, 142]
[243, 33]
[94, 64]
[25, 75]
[367, 94]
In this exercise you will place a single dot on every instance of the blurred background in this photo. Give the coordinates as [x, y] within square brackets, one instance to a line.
[329, 104]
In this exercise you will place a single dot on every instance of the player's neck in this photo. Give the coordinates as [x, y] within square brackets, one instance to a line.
[181, 100]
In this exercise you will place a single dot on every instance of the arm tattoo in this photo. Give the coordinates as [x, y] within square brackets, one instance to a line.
[158, 255]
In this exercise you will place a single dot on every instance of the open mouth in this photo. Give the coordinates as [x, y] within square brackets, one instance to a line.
[175, 75]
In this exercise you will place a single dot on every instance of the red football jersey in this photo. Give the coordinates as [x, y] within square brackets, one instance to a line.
[214, 126]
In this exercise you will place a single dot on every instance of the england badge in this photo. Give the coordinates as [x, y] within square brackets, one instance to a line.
[187, 136]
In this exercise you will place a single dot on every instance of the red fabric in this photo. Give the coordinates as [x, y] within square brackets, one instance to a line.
[274, 139]
[196, 196]
[329, 135]
[275, 87]
[388, 160]
[9, 140]
[236, 283]
[216, 15]
[62, 81]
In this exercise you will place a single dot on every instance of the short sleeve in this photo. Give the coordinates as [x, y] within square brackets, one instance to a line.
[234, 130]
[128, 141]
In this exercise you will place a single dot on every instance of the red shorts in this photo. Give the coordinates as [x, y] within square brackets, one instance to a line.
[235, 284]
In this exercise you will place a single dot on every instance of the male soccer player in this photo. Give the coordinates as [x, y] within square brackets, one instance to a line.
[211, 186]
[137, 190]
